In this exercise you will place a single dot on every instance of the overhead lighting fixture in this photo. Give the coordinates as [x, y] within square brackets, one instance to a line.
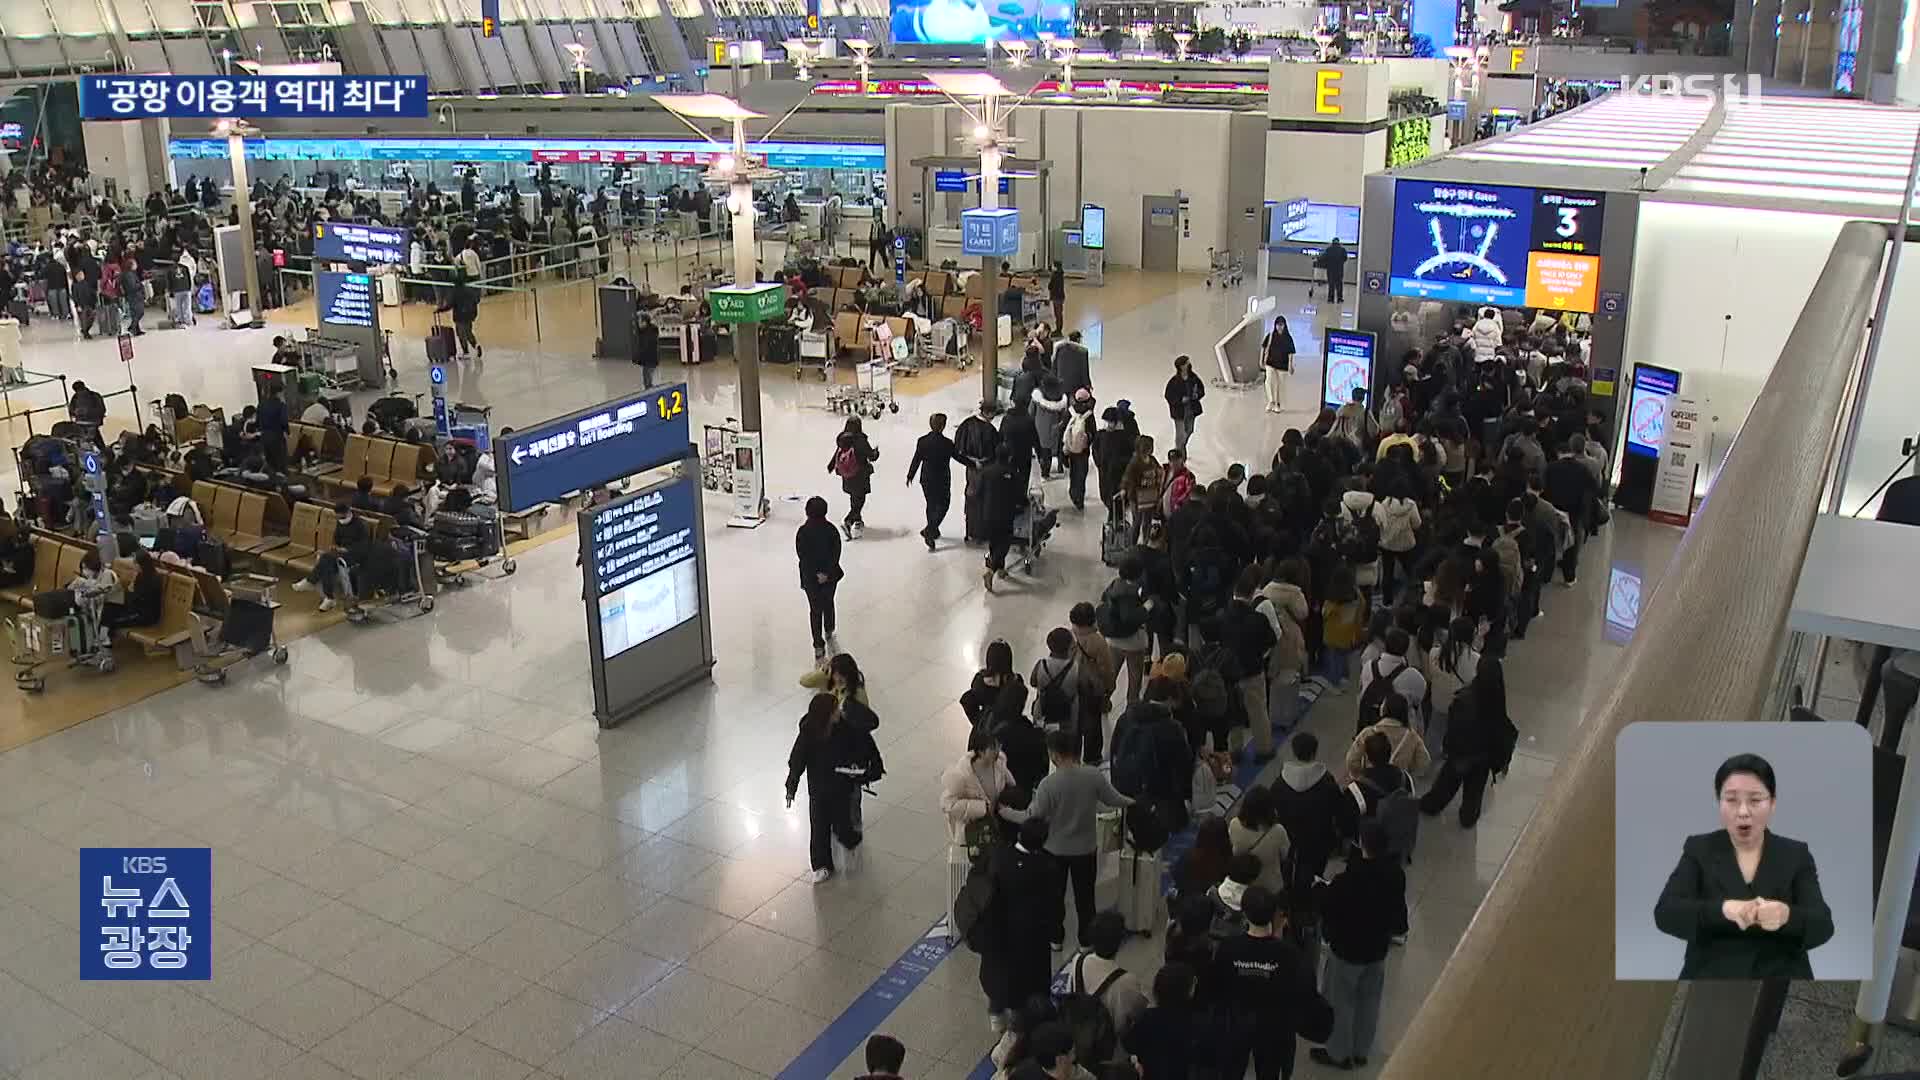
[968, 84]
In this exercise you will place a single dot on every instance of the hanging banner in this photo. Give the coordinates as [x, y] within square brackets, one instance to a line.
[1680, 459]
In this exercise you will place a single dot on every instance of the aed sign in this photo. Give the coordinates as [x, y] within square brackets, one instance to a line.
[1326, 91]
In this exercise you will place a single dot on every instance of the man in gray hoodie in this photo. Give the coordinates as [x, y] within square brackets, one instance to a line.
[1311, 807]
[1068, 800]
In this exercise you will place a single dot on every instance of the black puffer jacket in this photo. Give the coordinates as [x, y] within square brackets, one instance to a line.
[864, 454]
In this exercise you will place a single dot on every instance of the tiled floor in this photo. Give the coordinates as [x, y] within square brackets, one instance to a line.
[431, 863]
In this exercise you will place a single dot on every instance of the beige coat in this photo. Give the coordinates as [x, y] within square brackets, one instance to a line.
[1288, 613]
[1409, 749]
[968, 795]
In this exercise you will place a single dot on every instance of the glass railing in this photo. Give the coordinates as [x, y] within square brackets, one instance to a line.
[1529, 991]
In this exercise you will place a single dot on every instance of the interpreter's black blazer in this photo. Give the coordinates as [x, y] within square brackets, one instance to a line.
[1708, 874]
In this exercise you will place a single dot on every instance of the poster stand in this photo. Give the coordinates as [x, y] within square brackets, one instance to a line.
[649, 631]
[1348, 357]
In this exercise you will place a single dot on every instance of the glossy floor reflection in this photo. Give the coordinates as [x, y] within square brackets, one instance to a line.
[431, 863]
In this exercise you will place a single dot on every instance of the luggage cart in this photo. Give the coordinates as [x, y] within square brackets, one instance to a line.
[37, 643]
[1225, 269]
[417, 592]
[1033, 529]
[245, 632]
[816, 355]
[873, 389]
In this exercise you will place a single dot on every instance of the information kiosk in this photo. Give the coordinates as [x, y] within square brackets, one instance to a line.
[648, 631]
[642, 555]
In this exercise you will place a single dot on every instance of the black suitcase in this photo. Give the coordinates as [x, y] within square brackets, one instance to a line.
[212, 556]
[20, 310]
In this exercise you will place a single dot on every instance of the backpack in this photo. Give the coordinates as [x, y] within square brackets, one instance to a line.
[1376, 694]
[1340, 625]
[1083, 1011]
[1120, 614]
[110, 287]
[1178, 490]
[1053, 700]
[1359, 537]
[1397, 812]
[1132, 759]
[846, 463]
[1079, 436]
[973, 907]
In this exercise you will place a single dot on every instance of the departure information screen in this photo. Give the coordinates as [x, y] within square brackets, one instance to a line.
[646, 573]
[344, 299]
[1492, 244]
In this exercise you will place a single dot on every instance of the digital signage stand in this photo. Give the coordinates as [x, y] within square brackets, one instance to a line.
[1648, 393]
[643, 558]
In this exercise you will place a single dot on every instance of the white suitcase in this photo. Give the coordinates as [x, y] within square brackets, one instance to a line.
[1142, 903]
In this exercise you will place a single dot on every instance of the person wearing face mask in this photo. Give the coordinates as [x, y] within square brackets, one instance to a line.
[333, 570]
[1746, 900]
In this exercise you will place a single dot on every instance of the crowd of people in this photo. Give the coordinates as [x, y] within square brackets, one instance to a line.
[1400, 550]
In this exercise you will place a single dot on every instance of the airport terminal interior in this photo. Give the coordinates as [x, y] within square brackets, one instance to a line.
[485, 771]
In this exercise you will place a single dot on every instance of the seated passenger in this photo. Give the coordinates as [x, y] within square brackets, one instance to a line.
[399, 507]
[363, 496]
[16, 556]
[144, 596]
[333, 570]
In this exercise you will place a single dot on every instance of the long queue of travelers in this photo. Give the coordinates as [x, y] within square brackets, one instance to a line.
[1401, 550]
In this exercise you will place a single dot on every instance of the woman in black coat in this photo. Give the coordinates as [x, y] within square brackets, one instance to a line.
[1478, 744]
[852, 461]
[835, 757]
[646, 348]
[1028, 897]
[1002, 491]
[817, 547]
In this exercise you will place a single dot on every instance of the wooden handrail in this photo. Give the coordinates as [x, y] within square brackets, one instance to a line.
[1530, 990]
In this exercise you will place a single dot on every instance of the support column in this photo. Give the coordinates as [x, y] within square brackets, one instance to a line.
[990, 267]
[1906, 62]
[243, 201]
[1740, 33]
[1763, 41]
[746, 336]
[990, 327]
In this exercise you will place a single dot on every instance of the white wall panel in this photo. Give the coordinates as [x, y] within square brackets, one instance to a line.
[1716, 290]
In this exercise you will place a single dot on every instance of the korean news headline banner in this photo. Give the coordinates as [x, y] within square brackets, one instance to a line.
[135, 97]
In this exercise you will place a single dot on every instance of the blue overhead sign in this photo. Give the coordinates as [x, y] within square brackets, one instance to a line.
[138, 97]
[592, 447]
[994, 233]
[344, 299]
[344, 241]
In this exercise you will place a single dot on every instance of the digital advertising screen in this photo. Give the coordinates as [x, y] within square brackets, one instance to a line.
[975, 22]
[1493, 244]
[1093, 227]
[1349, 366]
[645, 552]
[1308, 226]
[1647, 408]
